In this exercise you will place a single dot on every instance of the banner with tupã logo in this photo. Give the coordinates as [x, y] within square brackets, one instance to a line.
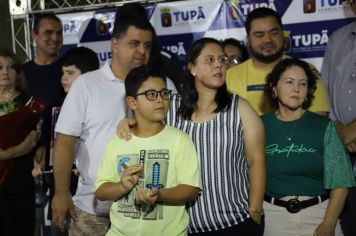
[307, 24]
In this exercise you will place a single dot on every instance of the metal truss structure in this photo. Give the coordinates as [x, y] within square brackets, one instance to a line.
[21, 12]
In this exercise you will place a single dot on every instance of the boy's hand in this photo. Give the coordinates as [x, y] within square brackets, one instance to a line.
[148, 197]
[123, 128]
[130, 177]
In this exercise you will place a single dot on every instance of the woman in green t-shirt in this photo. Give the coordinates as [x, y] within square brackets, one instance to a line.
[308, 169]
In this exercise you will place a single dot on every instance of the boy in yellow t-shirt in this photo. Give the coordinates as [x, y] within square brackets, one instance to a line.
[153, 175]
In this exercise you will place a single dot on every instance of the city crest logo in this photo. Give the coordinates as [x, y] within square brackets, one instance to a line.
[166, 17]
[308, 6]
[102, 28]
[233, 10]
[287, 41]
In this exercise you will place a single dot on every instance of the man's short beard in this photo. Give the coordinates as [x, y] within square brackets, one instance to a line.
[267, 59]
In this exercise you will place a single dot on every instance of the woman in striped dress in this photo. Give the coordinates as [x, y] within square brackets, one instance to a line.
[229, 138]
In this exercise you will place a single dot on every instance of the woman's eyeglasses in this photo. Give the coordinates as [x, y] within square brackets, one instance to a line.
[152, 95]
[212, 59]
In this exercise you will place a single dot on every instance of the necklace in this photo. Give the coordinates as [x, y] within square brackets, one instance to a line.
[289, 136]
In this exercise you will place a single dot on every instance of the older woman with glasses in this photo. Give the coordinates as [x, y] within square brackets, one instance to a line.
[229, 138]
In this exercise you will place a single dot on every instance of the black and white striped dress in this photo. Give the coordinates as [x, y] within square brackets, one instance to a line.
[224, 200]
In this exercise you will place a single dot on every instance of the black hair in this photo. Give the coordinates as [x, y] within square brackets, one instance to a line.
[273, 78]
[137, 76]
[239, 45]
[134, 14]
[190, 94]
[122, 24]
[258, 13]
[131, 10]
[83, 58]
[39, 17]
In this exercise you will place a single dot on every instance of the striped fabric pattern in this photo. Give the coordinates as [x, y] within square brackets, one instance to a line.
[223, 201]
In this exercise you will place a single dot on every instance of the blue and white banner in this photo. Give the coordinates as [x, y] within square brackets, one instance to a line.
[307, 24]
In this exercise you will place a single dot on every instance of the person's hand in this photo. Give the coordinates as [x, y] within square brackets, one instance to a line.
[346, 132]
[351, 146]
[37, 168]
[62, 204]
[130, 177]
[21, 149]
[123, 128]
[39, 161]
[255, 215]
[147, 197]
[325, 229]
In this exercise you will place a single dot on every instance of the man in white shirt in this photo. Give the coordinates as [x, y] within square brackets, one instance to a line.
[91, 111]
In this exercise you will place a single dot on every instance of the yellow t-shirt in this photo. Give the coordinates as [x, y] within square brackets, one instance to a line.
[169, 159]
[248, 82]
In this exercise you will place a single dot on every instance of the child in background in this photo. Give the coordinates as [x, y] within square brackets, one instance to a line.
[153, 175]
[75, 62]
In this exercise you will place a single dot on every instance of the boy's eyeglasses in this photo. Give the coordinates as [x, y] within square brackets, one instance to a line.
[235, 60]
[152, 95]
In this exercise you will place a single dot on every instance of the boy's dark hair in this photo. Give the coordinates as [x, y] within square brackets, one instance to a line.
[83, 58]
[273, 78]
[261, 12]
[39, 17]
[239, 45]
[137, 76]
[190, 95]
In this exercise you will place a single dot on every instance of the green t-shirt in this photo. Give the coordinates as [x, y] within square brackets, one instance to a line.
[294, 152]
[169, 159]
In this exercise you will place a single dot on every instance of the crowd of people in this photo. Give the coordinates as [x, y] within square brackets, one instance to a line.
[242, 141]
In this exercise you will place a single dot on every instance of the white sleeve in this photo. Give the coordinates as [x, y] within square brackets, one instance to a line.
[171, 86]
[72, 115]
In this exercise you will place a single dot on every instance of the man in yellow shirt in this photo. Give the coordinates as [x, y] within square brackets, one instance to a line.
[265, 39]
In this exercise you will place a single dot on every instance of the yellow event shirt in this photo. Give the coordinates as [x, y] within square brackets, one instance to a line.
[170, 159]
[248, 82]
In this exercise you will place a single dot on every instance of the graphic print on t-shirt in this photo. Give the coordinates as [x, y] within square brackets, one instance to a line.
[154, 175]
[288, 149]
